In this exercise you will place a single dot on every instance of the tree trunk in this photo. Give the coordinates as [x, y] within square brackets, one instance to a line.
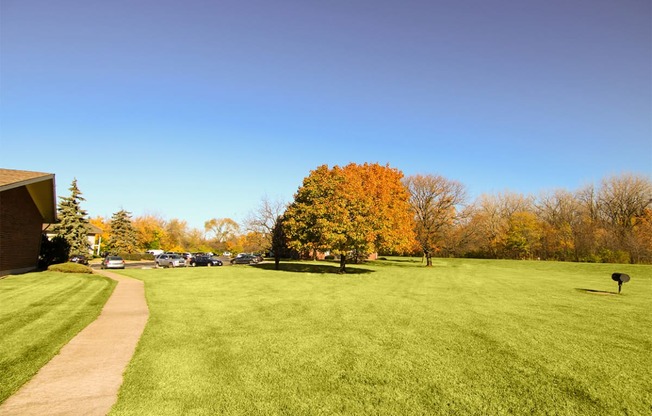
[342, 263]
[277, 261]
[427, 254]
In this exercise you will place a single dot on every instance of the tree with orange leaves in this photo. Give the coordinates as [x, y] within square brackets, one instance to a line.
[351, 211]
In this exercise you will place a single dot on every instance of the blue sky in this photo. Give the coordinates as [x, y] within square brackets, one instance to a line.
[198, 109]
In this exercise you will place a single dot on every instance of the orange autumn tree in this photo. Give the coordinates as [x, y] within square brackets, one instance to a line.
[351, 211]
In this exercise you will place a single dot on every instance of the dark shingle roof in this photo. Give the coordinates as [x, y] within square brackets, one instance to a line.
[10, 178]
[40, 186]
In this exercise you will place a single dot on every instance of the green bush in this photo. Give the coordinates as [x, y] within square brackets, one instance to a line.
[129, 256]
[70, 268]
[53, 251]
[614, 256]
[135, 256]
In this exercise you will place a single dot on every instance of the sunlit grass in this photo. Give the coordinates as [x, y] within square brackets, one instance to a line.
[463, 337]
[39, 314]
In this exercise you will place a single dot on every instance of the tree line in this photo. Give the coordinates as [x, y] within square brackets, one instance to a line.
[354, 210]
[608, 222]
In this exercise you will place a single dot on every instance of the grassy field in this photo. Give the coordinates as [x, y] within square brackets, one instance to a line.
[463, 337]
[40, 313]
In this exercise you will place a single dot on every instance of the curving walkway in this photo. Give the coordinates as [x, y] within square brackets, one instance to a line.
[84, 378]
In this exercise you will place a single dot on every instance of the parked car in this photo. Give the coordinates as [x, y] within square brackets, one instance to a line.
[113, 262]
[170, 260]
[205, 261]
[79, 258]
[244, 259]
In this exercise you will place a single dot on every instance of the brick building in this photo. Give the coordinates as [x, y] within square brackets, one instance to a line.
[27, 200]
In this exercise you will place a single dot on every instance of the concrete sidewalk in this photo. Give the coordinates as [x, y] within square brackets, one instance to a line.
[85, 377]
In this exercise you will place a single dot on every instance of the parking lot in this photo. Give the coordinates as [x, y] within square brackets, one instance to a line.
[150, 264]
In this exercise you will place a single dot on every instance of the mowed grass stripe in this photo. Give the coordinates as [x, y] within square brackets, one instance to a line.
[465, 337]
[39, 314]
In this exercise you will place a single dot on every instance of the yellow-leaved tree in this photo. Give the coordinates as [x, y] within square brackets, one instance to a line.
[150, 231]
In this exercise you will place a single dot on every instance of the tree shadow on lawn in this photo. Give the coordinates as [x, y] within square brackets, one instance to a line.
[397, 262]
[311, 268]
[596, 292]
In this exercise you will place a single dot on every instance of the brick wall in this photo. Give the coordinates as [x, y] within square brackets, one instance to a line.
[20, 231]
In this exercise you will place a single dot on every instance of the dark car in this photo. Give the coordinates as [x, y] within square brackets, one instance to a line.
[79, 258]
[244, 259]
[205, 261]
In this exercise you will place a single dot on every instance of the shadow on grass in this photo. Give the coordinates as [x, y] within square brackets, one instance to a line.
[596, 292]
[401, 259]
[407, 262]
[298, 267]
[396, 262]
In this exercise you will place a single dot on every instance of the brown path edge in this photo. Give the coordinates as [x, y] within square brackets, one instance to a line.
[84, 378]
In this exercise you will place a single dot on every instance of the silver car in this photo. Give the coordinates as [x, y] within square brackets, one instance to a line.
[113, 262]
[170, 260]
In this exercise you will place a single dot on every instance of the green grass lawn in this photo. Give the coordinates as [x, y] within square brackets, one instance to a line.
[468, 337]
[39, 314]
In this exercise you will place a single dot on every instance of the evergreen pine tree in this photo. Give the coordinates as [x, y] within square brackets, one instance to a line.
[123, 234]
[73, 222]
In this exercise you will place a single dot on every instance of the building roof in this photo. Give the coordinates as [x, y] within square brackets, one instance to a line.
[94, 229]
[39, 185]
[10, 178]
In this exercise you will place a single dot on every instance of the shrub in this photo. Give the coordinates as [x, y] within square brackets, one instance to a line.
[70, 268]
[53, 251]
[132, 256]
[136, 256]
[614, 256]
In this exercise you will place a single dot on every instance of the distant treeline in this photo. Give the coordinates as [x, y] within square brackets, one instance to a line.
[610, 222]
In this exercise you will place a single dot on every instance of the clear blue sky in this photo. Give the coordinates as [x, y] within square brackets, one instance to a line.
[197, 109]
